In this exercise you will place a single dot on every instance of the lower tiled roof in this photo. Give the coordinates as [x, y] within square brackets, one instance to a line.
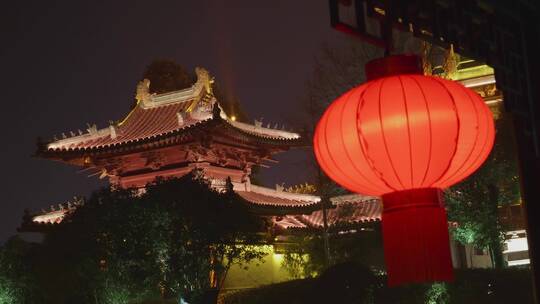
[352, 212]
[345, 210]
[254, 195]
[267, 197]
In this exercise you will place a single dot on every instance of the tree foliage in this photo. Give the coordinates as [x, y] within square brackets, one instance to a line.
[474, 203]
[17, 282]
[167, 76]
[336, 71]
[124, 246]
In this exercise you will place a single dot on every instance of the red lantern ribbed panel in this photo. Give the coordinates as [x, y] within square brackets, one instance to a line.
[404, 132]
[406, 137]
[476, 138]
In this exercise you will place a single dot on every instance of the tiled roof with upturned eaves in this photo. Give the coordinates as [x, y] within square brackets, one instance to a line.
[345, 211]
[160, 116]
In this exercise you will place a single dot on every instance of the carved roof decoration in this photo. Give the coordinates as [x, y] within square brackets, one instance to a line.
[56, 215]
[162, 116]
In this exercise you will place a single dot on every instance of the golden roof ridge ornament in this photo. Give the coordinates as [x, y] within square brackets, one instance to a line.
[143, 91]
[426, 64]
[203, 85]
[451, 63]
[204, 79]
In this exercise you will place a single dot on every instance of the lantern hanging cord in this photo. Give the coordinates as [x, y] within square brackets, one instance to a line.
[386, 30]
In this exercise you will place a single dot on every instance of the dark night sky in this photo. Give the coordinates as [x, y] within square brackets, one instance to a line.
[64, 64]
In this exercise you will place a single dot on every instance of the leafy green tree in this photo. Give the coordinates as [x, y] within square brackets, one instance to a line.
[18, 282]
[125, 246]
[473, 204]
[8, 292]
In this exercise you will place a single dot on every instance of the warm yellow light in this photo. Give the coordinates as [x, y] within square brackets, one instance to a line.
[379, 11]
[278, 257]
[233, 118]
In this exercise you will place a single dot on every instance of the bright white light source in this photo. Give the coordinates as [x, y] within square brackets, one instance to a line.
[519, 262]
[517, 244]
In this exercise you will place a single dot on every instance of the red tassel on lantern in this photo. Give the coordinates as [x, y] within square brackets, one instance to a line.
[415, 233]
[405, 136]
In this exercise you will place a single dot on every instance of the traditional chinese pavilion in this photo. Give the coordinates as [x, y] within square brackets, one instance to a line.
[172, 134]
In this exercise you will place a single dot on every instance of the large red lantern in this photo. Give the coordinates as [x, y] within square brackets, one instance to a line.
[404, 136]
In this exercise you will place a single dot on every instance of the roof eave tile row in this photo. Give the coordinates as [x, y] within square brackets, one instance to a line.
[344, 214]
[165, 137]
